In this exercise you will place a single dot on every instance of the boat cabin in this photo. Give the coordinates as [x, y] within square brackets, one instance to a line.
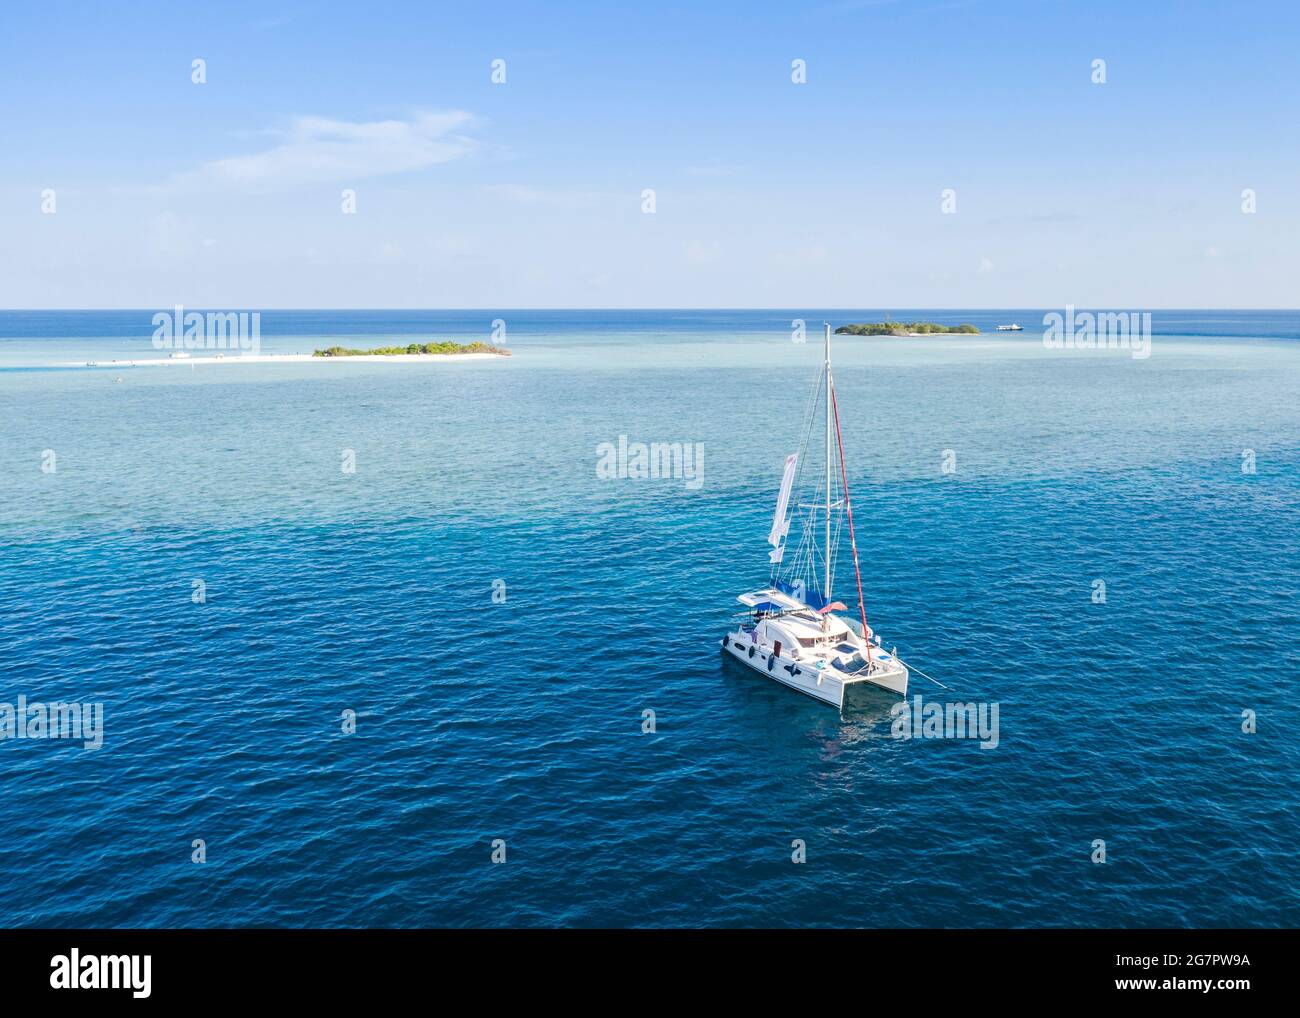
[791, 628]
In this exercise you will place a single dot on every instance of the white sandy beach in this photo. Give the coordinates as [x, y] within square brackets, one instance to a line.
[275, 358]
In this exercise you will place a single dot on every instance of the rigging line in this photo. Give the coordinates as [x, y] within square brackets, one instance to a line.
[810, 409]
[848, 506]
[778, 568]
[805, 555]
[912, 667]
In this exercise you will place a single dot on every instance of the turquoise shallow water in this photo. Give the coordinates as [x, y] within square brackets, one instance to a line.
[521, 720]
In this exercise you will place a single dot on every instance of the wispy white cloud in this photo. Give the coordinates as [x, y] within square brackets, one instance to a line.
[712, 169]
[320, 149]
[858, 5]
[810, 254]
[527, 194]
[700, 253]
[271, 23]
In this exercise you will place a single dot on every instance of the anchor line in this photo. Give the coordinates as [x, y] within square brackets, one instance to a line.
[918, 671]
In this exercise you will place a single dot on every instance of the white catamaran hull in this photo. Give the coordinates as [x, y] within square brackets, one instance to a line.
[827, 684]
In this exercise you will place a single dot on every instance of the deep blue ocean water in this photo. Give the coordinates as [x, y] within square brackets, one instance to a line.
[522, 720]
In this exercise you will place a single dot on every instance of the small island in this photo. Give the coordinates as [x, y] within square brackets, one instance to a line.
[905, 329]
[444, 349]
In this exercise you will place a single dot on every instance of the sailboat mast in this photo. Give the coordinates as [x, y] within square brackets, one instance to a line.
[826, 587]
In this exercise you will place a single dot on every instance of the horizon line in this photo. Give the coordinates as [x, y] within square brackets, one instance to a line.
[502, 308]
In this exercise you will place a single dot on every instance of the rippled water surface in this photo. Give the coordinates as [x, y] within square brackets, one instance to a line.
[372, 592]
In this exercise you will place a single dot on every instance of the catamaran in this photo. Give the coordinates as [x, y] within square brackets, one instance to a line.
[790, 630]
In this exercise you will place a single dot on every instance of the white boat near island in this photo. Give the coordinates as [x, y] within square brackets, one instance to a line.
[1011, 328]
[791, 632]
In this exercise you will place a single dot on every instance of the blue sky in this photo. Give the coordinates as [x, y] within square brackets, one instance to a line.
[767, 193]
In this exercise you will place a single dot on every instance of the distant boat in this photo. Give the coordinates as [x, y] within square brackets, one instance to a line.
[1010, 328]
[790, 632]
[178, 355]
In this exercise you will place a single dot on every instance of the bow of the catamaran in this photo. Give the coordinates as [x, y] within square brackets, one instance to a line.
[888, 673]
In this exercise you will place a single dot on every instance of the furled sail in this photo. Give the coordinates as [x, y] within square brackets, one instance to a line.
[780, 522]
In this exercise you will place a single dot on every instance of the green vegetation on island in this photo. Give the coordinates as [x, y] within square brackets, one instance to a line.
[413, 348]
[904, 329]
